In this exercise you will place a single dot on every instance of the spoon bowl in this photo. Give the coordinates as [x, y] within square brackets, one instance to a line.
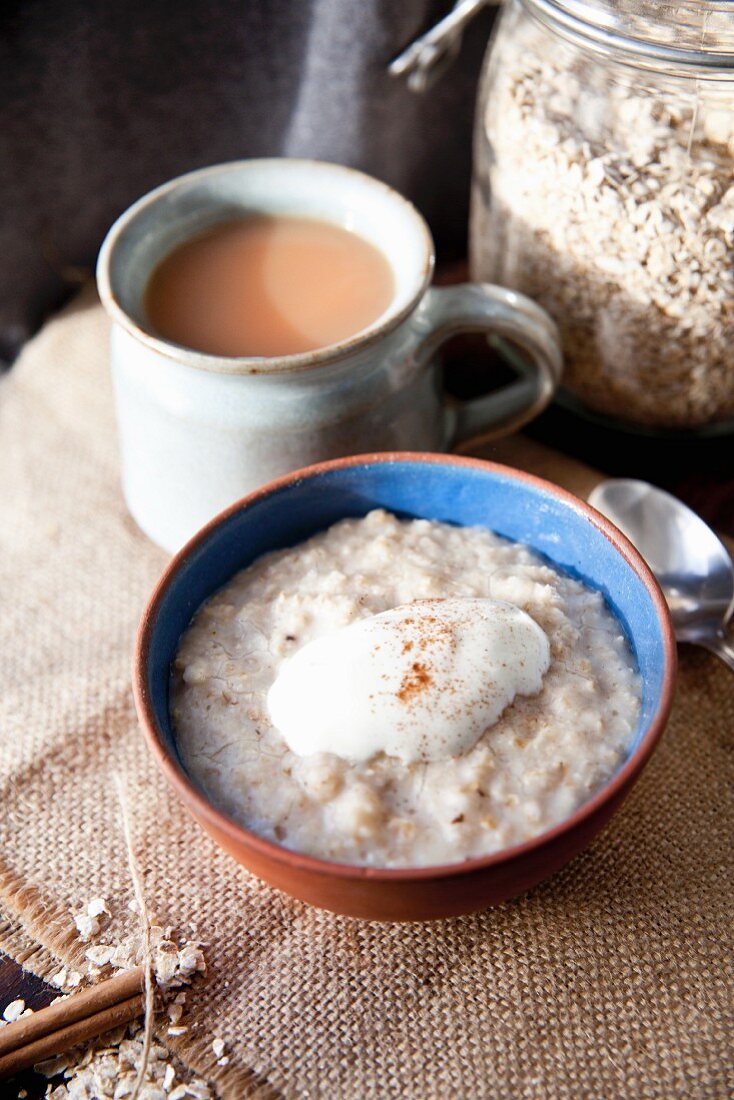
[692, 565]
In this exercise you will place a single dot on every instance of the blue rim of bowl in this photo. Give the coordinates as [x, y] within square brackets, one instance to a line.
[239, 835]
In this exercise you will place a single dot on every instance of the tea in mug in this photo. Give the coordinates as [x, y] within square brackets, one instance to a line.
[268, 286]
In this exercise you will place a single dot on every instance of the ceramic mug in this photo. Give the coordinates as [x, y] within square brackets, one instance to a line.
[199, 431]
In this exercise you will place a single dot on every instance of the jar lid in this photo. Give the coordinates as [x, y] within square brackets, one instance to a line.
[697, 33]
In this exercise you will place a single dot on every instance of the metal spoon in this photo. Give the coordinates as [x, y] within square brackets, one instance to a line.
[691, 564]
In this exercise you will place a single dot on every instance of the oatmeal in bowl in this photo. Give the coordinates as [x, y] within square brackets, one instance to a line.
[254, 733]
[405, 686]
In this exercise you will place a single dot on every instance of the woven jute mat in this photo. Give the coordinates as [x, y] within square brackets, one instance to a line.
[612, 980]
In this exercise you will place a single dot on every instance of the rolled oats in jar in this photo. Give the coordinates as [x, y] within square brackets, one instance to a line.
[604, 188]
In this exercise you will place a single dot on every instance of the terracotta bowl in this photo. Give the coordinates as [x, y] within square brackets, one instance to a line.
[456, 490]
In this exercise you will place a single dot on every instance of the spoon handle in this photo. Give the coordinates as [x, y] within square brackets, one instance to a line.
[722, 647]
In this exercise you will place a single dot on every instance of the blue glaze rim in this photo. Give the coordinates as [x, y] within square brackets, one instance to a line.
[519, 506]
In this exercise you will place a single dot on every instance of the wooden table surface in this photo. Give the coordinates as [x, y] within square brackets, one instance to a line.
[700, 471]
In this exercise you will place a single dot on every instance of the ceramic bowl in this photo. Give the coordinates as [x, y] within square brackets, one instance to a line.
[456, 490]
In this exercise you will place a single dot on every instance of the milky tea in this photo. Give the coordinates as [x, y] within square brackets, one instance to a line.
[268, 286]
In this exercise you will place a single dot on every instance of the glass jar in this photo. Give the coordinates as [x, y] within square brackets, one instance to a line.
[604, 188]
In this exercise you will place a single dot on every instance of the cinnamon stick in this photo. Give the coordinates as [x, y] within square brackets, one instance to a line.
[61, 1026]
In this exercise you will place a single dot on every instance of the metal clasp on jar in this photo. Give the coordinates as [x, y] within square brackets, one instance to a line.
[429, 56]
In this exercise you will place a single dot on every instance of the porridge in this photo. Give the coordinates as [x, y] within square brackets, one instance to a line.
[447, 694]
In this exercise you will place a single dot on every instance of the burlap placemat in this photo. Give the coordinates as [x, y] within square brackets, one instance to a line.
[613, 980]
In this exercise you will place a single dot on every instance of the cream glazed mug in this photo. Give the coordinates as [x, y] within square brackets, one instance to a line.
[198, 431]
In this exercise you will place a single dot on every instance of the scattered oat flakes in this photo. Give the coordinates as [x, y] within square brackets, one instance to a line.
[191, 959]
[101, 954]
[197, 1090]
[218, 1046]
[86, 926]
[53, 1066]
[14, 1011]
[107, 1068]
[165, 962]
[125, 956]
[97, 907]
[92, 918]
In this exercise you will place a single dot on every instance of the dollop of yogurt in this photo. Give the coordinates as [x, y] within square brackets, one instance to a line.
[421, 682]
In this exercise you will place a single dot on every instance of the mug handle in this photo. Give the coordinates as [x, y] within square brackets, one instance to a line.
[502, 314]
